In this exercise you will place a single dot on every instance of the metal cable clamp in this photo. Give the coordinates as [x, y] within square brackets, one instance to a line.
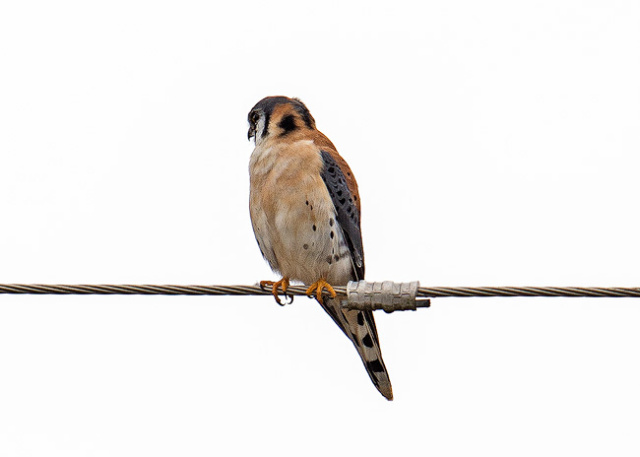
[387, 295]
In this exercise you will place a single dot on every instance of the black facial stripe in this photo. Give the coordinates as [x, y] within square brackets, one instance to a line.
[287, 124]
[306, 116]
[265, 131]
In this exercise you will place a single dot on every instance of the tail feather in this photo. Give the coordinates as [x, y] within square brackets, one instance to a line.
[360, 328]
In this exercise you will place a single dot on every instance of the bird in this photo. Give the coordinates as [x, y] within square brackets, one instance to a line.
[305, 212]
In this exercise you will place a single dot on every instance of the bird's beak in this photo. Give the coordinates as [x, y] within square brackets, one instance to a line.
[251, 133]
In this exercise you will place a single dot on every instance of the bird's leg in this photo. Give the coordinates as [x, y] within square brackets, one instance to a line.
[282, 284]
[318, 287]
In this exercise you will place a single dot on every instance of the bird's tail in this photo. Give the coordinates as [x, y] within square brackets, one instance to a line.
[360, 328]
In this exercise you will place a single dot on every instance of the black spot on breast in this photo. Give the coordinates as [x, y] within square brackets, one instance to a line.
[307, 203]
[330, 222]
[305, 246]
[267, 117]
[329, 259]
[360, 318]
[367, 341]
[375, 366]
[331, 235]
[314, 227]
[336, 257]
[287, 124]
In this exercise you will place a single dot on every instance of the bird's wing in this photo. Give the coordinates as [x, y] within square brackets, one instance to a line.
[346, 202]
[359, 326]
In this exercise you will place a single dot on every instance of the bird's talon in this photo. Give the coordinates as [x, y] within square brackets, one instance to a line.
[319, 286]
[282, 284]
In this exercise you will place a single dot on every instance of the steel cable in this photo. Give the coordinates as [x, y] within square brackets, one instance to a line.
[429, 292]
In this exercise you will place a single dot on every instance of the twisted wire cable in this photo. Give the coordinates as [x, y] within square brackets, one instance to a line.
[427, 292]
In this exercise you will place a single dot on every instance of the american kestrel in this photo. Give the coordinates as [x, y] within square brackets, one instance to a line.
[305, 211]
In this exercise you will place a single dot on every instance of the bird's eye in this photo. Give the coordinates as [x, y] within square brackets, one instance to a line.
[254, 117]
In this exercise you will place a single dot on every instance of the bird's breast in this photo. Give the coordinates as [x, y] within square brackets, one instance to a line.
[292, 213]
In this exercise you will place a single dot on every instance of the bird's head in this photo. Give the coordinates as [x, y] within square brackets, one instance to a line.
[278, 116]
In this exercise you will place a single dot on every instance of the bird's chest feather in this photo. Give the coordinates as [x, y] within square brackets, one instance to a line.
[292, 213]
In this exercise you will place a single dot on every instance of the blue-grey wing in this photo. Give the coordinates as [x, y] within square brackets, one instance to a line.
[347, 212]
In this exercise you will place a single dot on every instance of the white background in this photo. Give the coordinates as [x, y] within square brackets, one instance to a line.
[495, 143]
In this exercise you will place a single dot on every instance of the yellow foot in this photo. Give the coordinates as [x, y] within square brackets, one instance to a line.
[282, 284]
[318, 287]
